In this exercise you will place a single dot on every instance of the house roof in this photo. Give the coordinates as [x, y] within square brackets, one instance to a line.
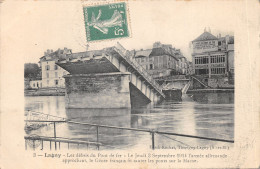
[56, 54]
[86, 54]
[145, 53]
[205, 36]
[35, 78]
[161, 51]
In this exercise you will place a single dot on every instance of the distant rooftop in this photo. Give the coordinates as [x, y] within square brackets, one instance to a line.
[161, 51]
[205, 36]
[50, 55]
[145, 53]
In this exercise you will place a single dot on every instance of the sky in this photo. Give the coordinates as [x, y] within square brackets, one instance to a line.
[35, 26]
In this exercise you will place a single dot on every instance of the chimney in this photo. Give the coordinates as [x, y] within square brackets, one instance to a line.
[157, 44]
[87, 46]
[227, 39]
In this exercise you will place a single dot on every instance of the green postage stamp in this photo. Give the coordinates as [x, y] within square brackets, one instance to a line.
[106, 21]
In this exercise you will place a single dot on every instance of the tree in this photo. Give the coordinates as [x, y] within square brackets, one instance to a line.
[32, 71]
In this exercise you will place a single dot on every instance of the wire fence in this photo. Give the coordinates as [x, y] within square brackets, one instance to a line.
[97, 127]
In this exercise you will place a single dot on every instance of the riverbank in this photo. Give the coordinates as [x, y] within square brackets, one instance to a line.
[45, 92]
[231, 90]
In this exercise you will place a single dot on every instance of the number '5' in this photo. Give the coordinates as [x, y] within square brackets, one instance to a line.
[119, 31]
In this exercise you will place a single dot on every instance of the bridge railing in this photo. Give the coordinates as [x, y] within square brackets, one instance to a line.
[56, 140]
[128, 57]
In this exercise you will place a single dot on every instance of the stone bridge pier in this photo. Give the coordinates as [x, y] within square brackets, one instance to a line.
[101, 90]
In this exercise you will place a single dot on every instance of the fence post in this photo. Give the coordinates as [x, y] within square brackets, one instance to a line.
[42, 145]
[97, 139]
[33, 144]
[25, 144]
[153, 140]
[54, 128]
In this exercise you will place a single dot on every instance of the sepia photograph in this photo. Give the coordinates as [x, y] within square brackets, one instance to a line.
[149, 83]
[118, 97]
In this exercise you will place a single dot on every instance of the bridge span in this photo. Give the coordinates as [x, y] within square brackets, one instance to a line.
[107, 78]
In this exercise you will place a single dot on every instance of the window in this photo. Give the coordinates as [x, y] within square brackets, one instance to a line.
[47, 67]
[47, 82]
[34, 85]
[47, 75]
[56, 74]
[217, 59]
[217, 70]
[56, 82]
[151, 66]
[205, 60]
[201, 60]
[201, 71]
[55, 67]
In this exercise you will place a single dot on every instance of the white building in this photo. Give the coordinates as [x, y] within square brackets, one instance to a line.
[36, 84]
[52, 74]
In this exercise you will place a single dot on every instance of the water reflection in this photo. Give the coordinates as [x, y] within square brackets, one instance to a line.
[208, 115]
[214, 98]
[111, 117]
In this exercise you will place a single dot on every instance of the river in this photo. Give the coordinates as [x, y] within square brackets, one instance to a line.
[206, 115]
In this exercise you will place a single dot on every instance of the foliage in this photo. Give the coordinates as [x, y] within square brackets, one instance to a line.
[32, 71]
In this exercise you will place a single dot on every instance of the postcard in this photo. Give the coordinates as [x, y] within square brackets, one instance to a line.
[130, 84]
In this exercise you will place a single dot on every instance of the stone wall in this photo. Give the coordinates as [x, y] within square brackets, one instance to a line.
[106, 90]
[219, 82]
[214, 82]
